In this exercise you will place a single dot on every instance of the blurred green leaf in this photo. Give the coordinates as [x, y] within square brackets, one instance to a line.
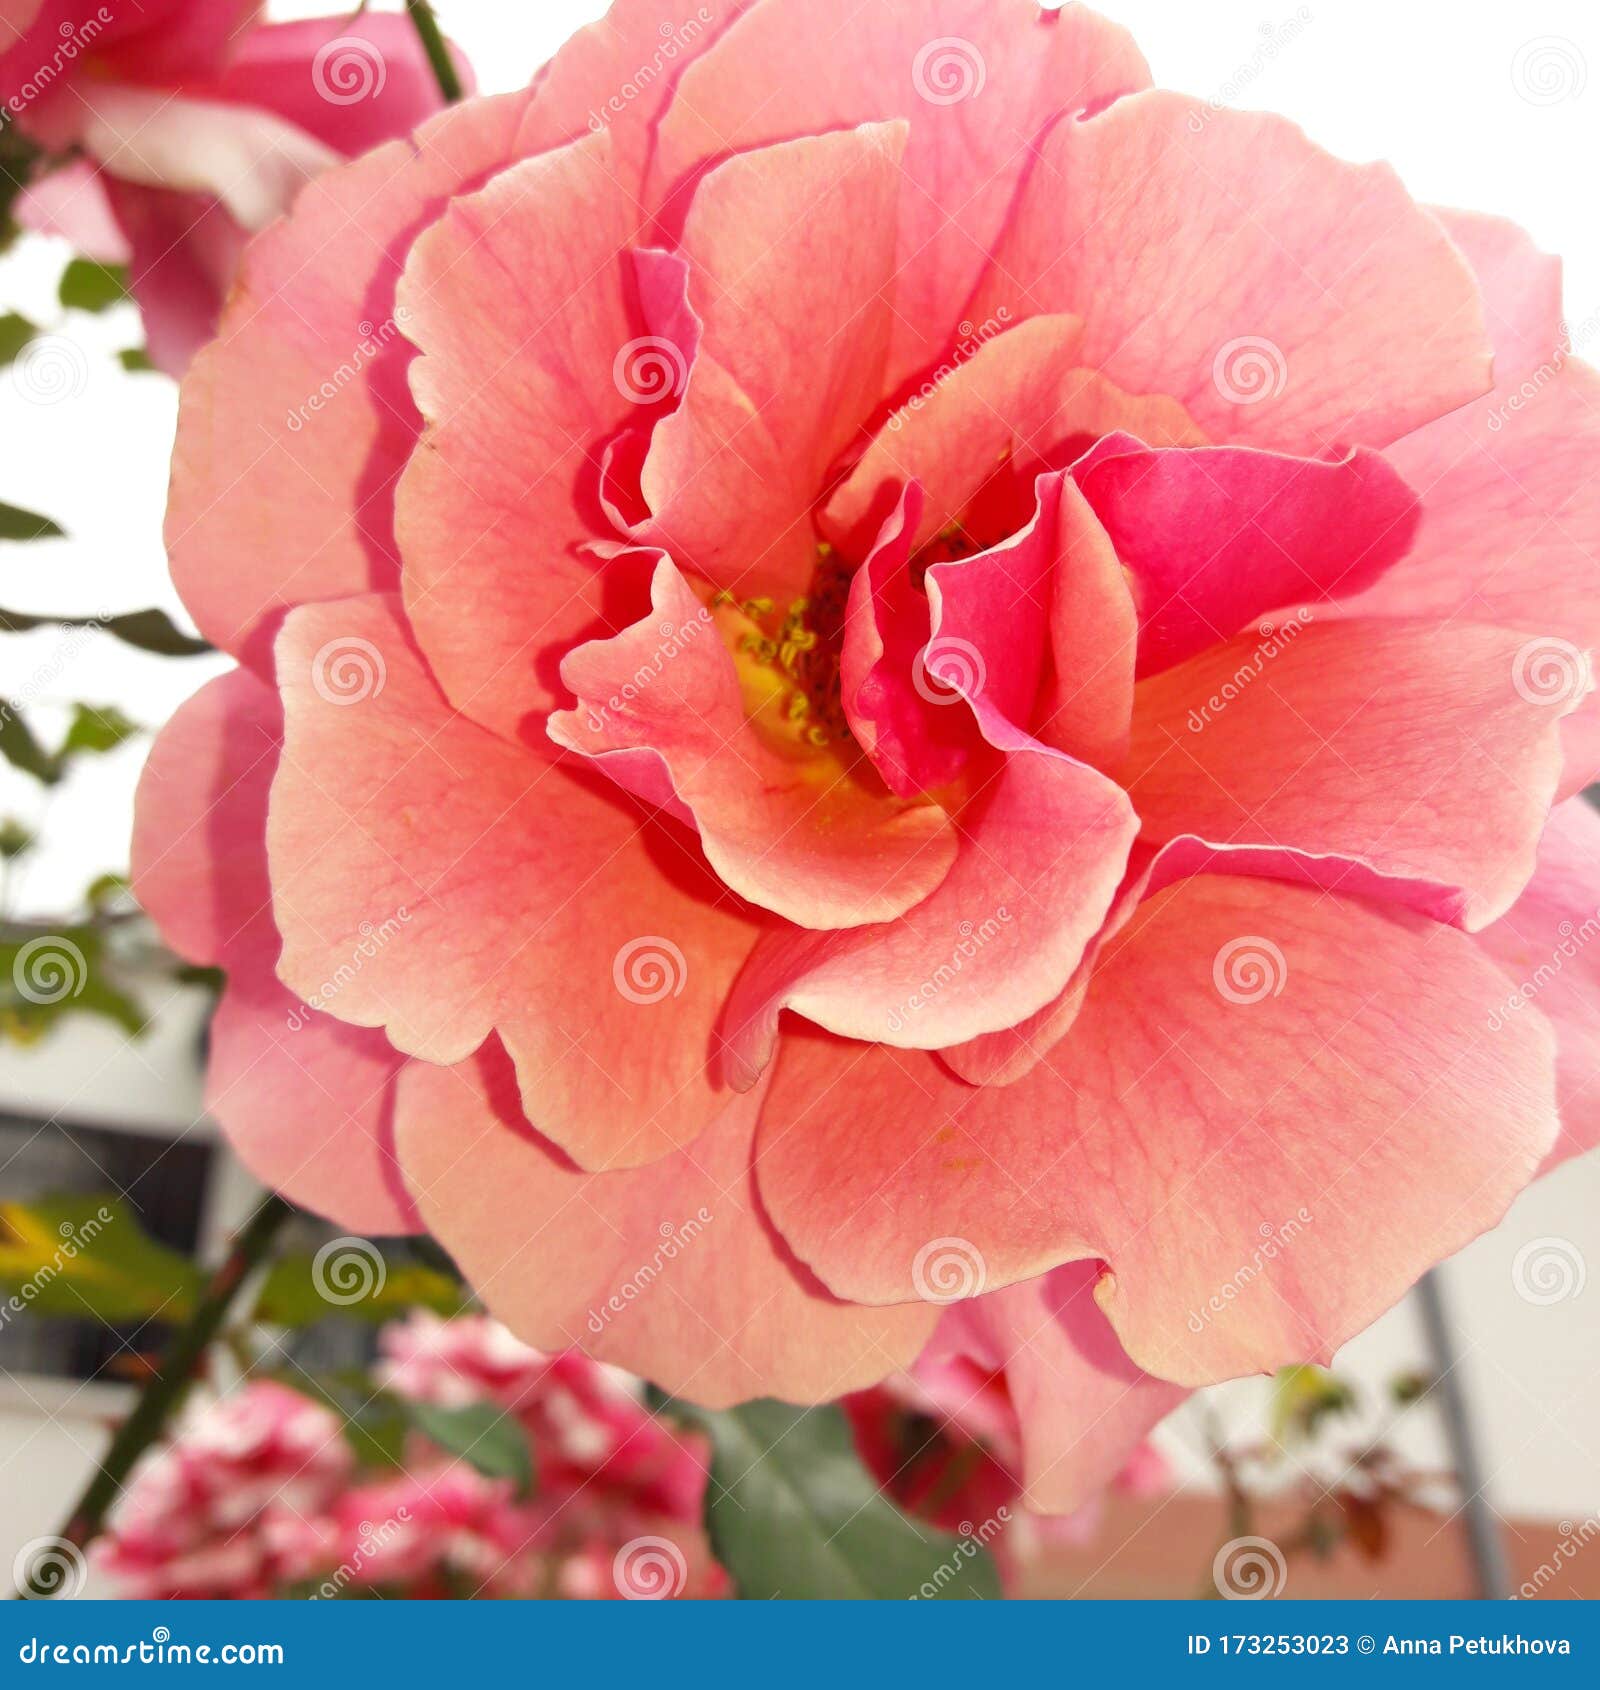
[15, 333]
[482, 1434]
[88, 286]
[149, 630]
[1303, 1398]
[82, 1255]
[792, 1513]
[106, 890]
[135, 360]
[96, 728]
[292, 1295]
[22, 750]
[18, 524]
[16, 840]
[375, 1422]
[45, 977]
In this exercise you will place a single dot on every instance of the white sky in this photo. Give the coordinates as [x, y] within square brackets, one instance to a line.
[1438, 89]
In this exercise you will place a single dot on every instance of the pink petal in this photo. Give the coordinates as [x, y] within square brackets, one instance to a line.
[1282, 297]
[1404, 747]
[1215, 536]
[791, 264]
[1547, 945]
[294, 424]
[1234, 1124]
[1511, 513]
[71, 202]
[977, 79]
[528, 903]
[804, 834]
[305, 1100]
[672, 1272]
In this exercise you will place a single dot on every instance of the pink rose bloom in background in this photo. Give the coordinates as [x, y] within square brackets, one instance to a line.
[934, 691]
[233, 1506]
[183, 127]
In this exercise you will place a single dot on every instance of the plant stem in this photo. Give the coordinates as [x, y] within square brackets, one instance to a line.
[166, 1386]
[433, 44]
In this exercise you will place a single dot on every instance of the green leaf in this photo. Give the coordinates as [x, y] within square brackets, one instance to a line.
[45, 977]
[88, 286]
[96, 728]
[482, 1434]
[135, 360]
[374, 1290]
[1302, 1399]
[18, 524]
[22, 751]
[87, 1255]
[15, 333]
[149, 630]
[16, 840]
[375, 1423]
[792, 1513]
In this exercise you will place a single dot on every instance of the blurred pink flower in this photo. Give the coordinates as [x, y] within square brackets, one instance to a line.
[861, 720]
[176, 129]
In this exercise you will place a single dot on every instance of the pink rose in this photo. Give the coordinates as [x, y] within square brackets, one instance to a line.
[1030, 575]
[184, 126]
[233, 1506]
